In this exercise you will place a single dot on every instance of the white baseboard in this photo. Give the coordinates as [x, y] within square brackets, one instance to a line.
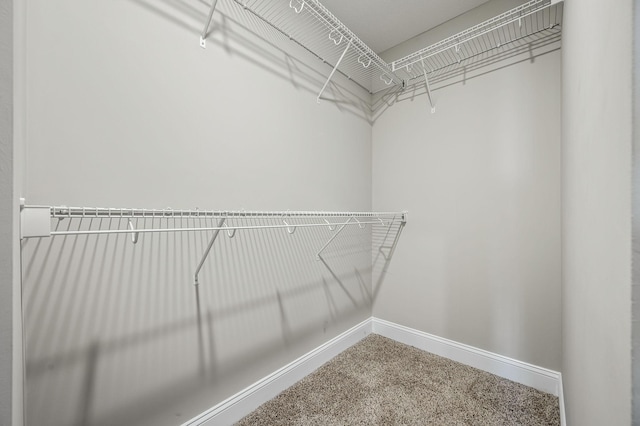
[509, 368]
[563, 414]
[244, 402]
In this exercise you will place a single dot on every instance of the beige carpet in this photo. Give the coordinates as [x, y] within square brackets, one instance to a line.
[382, 382]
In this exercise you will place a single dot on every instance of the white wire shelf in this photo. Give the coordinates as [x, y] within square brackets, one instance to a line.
[534, 18]
[97, 212]
[311, 25]
[36, 219]
[35, 222]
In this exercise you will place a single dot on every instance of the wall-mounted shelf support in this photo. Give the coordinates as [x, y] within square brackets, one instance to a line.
[203, 36]
[35, 221]
[206, 252]
[426, 82]
[334, 68]
[333, 238]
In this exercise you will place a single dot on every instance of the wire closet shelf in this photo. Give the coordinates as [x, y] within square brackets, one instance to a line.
[302, 218]
[311, 25]
[36, 222]
[527, 22]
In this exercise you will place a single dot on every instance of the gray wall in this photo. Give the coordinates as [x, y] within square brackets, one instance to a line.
[479, 261]
[11, 371]
[124, 108]
[7, 213]
[635, 305]
[596, 134]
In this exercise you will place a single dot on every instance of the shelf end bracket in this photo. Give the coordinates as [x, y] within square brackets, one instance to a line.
[426, 80]
[35, 221]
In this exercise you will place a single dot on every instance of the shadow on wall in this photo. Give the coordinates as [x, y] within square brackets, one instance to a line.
[234, 29]
[526, 49]
[384, 241]
[116, 332]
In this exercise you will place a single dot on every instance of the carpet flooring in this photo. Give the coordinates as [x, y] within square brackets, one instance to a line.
[382, 382]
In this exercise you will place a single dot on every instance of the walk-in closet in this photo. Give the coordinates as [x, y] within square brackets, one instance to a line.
[306, 212]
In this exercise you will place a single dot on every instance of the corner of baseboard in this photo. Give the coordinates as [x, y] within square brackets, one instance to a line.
[247, 400]
[563, 413]
[527, 374]
[244, 402]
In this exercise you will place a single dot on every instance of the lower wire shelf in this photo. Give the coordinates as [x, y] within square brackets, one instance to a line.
[36, 222]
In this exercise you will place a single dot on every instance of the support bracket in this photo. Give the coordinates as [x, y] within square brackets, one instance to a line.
[206, 252]
[35, 221]
[426, 80]
[203, 36]
[333, 71]
[318, 257]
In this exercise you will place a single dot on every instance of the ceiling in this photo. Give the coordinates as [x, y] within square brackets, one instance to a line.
[382, 24]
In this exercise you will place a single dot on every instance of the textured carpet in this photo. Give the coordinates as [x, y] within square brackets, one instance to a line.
[381, 382]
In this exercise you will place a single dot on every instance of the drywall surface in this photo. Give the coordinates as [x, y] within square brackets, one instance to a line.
[479, 260]
[125, 109]
[7, 235]
[635, 323]
[11, 367]
[596, 140]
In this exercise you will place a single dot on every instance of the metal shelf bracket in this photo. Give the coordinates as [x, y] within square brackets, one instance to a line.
[35, 221]
[203, 36]
[318, 257]
[426, 81]
[334, 70]
[206, 252]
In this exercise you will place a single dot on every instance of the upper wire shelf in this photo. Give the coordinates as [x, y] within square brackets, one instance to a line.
[312, 26]
[534, 18]
[518, 22]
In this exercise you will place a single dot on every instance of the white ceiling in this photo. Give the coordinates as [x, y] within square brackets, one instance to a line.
[382, 24]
